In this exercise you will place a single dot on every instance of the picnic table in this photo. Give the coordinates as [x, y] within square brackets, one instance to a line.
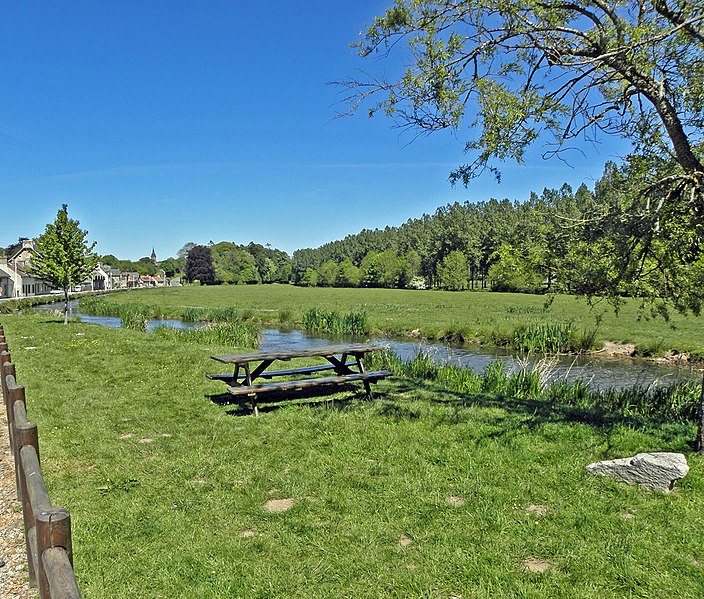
[346, 360]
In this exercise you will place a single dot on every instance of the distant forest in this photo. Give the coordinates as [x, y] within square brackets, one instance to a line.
[558, 241]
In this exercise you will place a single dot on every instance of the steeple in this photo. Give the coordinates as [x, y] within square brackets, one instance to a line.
[153, 256]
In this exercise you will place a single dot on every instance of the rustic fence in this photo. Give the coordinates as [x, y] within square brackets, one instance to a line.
[47, 529]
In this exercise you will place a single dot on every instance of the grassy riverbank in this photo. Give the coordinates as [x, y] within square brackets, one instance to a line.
[423, 492]
[485, 317]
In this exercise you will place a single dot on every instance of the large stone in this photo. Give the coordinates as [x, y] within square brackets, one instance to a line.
[657, 471]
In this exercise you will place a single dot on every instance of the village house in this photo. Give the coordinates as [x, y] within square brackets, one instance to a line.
[15, 281]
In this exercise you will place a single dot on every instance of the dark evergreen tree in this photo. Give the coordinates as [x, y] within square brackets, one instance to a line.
[199, 265]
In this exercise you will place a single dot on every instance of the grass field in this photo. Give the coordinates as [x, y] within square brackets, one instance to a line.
[420, 493]
[473, 316]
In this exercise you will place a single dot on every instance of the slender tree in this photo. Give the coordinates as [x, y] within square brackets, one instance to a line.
[62, 256]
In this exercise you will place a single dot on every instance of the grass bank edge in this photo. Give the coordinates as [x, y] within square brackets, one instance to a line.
[516, 322]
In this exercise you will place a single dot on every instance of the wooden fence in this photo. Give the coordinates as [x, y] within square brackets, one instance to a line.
[47, 529]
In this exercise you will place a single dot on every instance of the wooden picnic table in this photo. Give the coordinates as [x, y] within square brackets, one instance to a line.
[346, 360]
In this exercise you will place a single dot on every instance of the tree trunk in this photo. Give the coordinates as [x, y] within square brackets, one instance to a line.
[699, 441]
[65, 305]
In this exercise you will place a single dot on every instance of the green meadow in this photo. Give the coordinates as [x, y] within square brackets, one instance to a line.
[422, 492]
[473, 316]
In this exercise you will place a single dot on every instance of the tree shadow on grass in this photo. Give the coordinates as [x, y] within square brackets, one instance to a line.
[521, 414]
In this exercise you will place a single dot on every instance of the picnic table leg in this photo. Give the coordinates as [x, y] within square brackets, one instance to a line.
[340, 365]
[367, 386]
[248, 382]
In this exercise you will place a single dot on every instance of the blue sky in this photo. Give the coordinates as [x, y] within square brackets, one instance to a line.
[163, 122]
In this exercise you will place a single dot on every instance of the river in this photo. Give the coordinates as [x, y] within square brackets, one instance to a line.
[597, 371]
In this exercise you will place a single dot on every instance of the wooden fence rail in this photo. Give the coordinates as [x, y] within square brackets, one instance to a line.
[47, 529]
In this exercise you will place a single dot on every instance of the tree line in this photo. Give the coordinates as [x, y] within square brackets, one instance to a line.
[557, 241]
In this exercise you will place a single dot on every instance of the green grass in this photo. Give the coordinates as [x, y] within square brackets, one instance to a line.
[472, 316]
[165, 487]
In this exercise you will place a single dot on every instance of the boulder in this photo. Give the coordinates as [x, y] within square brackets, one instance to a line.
[657, 471]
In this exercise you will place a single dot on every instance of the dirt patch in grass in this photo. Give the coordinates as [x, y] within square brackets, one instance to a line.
[126, 436]
[536, 509]
[146, 440]
[455, 501]
[279, 505]
[405, 541]
[536, 565]
[247, 534]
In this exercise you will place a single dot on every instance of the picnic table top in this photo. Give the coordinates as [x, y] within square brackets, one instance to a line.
[287, 354]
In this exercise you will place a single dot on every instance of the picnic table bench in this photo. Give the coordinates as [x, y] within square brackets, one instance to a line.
[345, 360]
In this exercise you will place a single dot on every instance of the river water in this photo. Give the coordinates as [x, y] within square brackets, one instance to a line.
[597, 371]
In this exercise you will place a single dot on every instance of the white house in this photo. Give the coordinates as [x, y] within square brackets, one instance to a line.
[15, 282]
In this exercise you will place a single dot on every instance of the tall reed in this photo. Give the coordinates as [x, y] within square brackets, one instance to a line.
[678, 401]
[232, 334]
[329, 321]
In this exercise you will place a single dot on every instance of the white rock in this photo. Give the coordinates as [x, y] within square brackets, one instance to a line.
[657, 471]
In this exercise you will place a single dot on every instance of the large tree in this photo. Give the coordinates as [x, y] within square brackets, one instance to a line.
[550, 72]
[62, 256]
[517, 72]
[199, 265]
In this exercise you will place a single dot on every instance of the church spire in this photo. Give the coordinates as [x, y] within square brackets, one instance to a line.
[153, 256]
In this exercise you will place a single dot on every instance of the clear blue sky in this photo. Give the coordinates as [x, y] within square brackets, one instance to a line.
[163, 122]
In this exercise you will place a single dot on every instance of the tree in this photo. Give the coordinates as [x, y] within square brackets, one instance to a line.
[511, 271]
[62, 257]
[453, 271]
[327, 274]
[552, 71]
[547, 70]
[348, 275]
[199, 265]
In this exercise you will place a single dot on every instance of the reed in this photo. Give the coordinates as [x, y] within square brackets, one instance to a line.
[134, 318]
[674, 402]
[544, 338]
[335, 323]
[232, 334]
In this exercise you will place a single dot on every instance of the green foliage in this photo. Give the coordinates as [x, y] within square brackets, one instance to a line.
[234, 264]
[199, 265]
[62, 256]
[510, 271]
[348, 275]
[231, 334]
[453, 272]
[330, 321]
[631, 68]
[135, 319]
[544, 338]
[327, 274]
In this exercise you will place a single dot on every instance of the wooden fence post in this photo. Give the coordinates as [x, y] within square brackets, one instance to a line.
[26, 434]
[4, 357]
[8, 369]
[13, 396]
[53, 528]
